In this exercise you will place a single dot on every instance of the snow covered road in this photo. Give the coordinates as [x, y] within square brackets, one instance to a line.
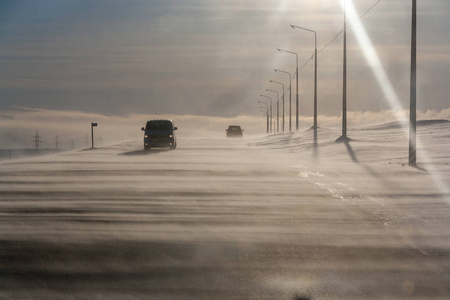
[268, 218]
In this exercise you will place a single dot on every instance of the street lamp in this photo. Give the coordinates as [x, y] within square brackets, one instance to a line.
[273, 81]
[267, 113]
[278, 104]
[290, 96]
[315, 78]
[296, 72]
[270, 110]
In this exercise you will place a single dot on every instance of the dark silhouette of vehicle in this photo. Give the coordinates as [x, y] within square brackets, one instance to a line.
[234, 131]
[159, 133]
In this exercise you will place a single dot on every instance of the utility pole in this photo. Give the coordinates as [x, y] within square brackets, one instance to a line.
[37, 142]
[413, 87]
[56, 142]
[344, 88]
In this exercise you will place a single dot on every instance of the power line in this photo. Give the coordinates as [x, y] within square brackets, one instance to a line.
[333, 39]
[306, 63]
[348, 28]
[369, 9]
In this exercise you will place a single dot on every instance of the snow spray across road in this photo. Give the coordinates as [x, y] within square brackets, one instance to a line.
[267, 218]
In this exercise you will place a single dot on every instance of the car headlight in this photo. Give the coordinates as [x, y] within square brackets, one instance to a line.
[171, 136]
[146, 136]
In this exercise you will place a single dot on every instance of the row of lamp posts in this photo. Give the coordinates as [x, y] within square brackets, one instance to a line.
[290, 91]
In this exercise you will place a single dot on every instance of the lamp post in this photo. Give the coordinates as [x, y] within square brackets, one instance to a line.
[296, 72]
[270, 110]
[278, 107]
[315, 77]
[267, 113]
[273, 81]
[290, 96]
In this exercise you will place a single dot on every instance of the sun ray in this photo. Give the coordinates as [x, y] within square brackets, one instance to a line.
[383, 81]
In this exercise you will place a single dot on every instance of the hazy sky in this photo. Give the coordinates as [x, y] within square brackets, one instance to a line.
[65, 62]
[207, 57]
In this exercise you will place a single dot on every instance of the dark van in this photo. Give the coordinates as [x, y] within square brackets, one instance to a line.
[234, 131]
[159, 133]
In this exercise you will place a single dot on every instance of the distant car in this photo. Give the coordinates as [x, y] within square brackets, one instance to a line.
[234, 131]
[159, 133]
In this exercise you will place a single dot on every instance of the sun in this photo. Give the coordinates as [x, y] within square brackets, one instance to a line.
[283, 5]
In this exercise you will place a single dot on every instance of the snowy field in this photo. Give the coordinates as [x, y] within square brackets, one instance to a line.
[256, 218]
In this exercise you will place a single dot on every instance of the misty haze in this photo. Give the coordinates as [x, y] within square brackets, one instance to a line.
[224, 149]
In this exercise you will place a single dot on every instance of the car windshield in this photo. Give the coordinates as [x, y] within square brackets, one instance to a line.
[159, 125]
[234, 128]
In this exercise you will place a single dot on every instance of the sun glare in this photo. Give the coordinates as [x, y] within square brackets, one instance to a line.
[283, 5]
[371, 55]
[383, 81]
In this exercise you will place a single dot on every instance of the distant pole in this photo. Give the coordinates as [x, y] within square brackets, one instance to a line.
[413, 87]
[283, 110]
[296, 100]
[278, 114]
[296, 72]
[282, 86]
[278, 102]
[37, 142]
[315, 78]
[92, 132]
[290, 96]
[270, 106]
[315, 88]
[344, 88]
[267, 113]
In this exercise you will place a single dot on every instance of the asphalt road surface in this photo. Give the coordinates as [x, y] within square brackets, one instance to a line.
[217, 219]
